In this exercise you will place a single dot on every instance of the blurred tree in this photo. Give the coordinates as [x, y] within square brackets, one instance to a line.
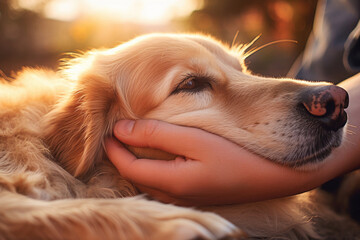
[29, 38]
[16, 26]
[19, 41]
[273, 19]
[298, 13]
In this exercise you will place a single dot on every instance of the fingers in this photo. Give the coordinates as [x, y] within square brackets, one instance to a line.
[167, 137]
[116, 152]
[164, 174]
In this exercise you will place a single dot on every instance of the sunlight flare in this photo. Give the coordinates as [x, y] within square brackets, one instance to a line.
[136, 11]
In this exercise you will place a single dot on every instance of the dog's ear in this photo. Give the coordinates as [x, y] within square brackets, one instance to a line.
[76, 128]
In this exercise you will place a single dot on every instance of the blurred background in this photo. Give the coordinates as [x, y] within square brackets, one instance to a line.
[39, 32]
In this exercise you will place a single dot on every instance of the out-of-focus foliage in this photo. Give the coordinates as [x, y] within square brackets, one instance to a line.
[273, 19]
[28, 38]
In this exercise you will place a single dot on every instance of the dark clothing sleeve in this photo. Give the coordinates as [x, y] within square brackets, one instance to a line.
[332, 52]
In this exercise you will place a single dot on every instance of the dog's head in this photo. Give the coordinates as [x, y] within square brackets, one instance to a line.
[194, 81]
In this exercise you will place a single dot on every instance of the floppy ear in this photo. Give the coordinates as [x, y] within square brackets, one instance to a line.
[75, 130]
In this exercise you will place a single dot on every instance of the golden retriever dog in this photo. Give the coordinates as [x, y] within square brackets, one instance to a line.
[57, 183]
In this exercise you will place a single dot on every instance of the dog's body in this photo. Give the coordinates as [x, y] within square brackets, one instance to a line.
[53, 126]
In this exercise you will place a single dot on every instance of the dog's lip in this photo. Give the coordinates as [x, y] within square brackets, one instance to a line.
[315, 157]
[312, 158]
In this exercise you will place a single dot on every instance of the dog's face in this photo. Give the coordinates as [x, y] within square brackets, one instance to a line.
[196, 81]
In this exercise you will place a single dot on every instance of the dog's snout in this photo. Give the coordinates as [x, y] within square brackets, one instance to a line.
[326, 104]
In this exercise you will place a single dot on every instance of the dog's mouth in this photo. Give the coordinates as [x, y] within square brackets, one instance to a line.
[313, 158]
[313, 153]
[306, 150]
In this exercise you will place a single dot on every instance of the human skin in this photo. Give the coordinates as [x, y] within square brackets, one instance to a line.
[216, 171]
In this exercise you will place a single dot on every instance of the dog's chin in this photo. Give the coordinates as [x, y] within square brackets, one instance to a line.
[314, 157]
[311, 162]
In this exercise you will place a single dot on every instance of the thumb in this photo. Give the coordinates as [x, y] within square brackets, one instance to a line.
[179, 140]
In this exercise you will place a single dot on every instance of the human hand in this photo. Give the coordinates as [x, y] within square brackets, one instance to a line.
[217, 171]
[212, 171]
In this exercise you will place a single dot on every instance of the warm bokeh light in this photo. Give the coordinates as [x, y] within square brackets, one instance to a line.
[38, 32]
[63, 10]
[134, 11]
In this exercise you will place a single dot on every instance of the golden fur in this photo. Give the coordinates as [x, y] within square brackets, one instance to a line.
[57, 183]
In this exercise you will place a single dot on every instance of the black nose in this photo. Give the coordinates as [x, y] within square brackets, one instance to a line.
[326, 105]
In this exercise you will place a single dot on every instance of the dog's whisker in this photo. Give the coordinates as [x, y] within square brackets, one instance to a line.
[240, 49]
[350, 143]
[254, 50]
[234, 39]
[350, 132]
[347, 140]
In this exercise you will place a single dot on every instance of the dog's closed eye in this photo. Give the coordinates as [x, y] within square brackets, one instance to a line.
[193, 84]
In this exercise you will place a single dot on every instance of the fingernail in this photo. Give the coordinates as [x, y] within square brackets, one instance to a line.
[124, 127]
